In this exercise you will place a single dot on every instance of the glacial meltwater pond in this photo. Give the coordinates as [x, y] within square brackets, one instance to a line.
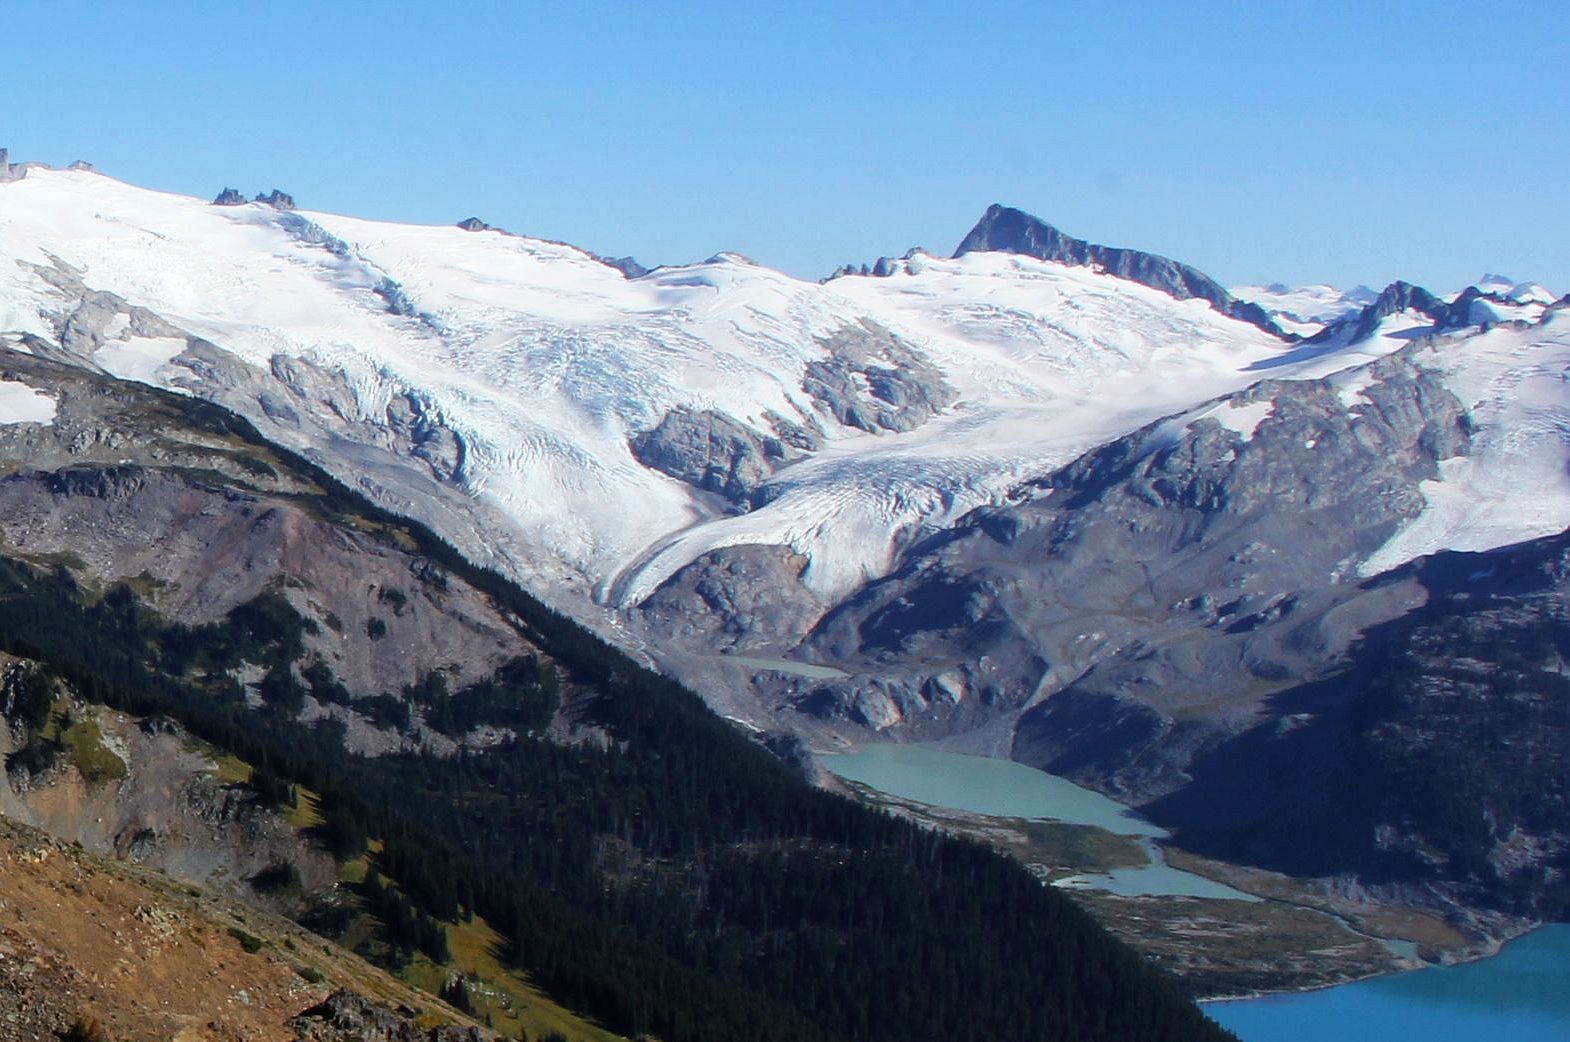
[1002, 788]
[1520, 995]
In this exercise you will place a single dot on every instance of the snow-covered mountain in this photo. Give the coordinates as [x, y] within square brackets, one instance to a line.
[601, 436]
[541, 365]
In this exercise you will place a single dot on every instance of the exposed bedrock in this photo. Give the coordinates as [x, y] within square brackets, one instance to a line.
[1437, 751]
[737, 598]
[874, 381]
[869, 379]
[713, 452]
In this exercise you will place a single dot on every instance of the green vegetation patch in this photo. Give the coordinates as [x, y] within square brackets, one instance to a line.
[84, 742]
[249, 941]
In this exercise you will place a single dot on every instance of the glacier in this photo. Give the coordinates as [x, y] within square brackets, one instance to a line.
[540, 364]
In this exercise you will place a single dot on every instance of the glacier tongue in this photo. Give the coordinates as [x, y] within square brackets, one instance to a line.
[509, 377]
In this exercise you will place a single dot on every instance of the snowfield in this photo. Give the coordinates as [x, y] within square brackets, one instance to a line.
[545, 363]
[1305, 310]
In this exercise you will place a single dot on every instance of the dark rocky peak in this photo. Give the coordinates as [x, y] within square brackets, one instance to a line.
[277, 200]
[886, 266]
[1403, 296]
[882, 268]
[628, 266]
[474, 224]
[1395, 298]
[229, 197]
[1459, 310]
[848, 269]
[1003, 229]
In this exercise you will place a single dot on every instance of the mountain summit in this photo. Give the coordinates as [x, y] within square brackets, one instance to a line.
[1003, 229]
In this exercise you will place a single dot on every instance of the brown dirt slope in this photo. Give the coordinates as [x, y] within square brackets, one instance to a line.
[83, 939]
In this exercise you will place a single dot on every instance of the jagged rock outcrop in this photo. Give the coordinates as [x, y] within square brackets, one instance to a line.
[347, 1017]
[628, 266]
[713, 452]
[278, 200]
[474, 224]
[1471, 307]
[1392, 300]
[738, 598]
[902, 389]
[882, 268]
[1005, 229]
[229, 197]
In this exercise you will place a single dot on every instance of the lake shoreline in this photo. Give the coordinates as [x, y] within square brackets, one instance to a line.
[1488, 951]
[1300, 936]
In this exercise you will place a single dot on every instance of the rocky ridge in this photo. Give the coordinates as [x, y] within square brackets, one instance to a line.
[1005, 229]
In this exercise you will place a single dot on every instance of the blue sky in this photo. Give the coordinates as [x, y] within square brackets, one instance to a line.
[1305, 142]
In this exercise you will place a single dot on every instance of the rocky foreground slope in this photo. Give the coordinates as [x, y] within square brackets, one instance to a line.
[96, 948]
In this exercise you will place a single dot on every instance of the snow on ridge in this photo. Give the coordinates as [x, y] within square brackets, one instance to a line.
[1531, 293]
[1514, 483]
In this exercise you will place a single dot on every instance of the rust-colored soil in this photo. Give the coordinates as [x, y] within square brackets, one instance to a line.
[150, 959]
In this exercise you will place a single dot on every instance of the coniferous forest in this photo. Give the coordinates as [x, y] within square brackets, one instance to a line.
[676, 881]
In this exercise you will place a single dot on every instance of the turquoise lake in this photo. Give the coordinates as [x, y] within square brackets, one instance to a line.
[1520, 995]
[984, 785]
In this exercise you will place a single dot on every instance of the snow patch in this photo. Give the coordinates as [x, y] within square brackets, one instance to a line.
[1352, 386]
[138, 358]
[1531, 293]
[20, 403]
[1245, 419]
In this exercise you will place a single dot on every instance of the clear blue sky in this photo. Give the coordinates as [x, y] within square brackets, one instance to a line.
[1325, 141]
